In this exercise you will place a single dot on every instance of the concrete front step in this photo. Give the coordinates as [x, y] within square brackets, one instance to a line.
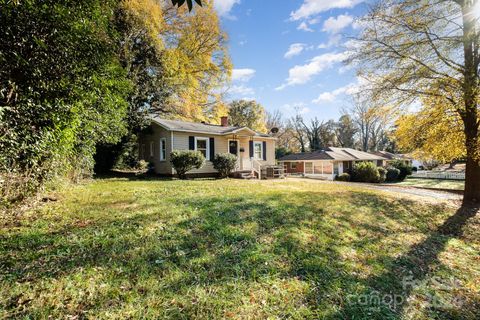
[244, 174]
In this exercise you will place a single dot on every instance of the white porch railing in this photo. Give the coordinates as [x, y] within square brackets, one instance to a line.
[256, 167]
[238, 164]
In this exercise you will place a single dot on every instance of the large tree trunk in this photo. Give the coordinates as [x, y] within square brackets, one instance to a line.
[472, 181]
[472, 172]
[470, 94]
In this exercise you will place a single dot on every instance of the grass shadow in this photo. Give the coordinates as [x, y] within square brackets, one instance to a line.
[387, 295]
[231, 244]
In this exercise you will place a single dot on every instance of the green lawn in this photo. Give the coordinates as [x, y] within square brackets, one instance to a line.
[203, 249]
[434, 183]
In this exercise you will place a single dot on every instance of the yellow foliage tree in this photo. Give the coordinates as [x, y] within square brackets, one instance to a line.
[186, 54]
[197, 59]
[435, 132]
[144, 16]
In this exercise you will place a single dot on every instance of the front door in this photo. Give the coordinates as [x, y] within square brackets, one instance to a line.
[233, 147]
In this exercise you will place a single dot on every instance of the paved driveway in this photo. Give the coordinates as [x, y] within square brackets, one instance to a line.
[431, 195]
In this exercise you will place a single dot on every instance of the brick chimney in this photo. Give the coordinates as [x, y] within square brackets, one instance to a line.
[224, 121]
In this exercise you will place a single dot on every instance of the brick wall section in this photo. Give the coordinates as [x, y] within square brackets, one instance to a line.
[299, 168]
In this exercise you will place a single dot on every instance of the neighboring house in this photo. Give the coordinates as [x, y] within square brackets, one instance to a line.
[327, 163]
[254, 149]
[394, 157]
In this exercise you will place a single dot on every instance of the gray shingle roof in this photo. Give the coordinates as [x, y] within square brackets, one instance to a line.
[317, 155]
[358, 155]
[392, 156]
[340, 154]
[177, 125]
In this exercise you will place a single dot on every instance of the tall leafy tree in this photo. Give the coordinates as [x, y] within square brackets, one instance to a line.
[177, 62]
[62, 88]
[247, 113]
[411, 49]
[286, 142]
[435, 132]
[345, 131]
[197, 64]
[319, 134]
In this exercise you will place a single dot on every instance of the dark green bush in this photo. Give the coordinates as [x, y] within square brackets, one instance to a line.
[184, 161]
[392, 174]
[62, 91]
[365, 172]
[343, 177]
[405, 169]
[382, 174]
[224, 163]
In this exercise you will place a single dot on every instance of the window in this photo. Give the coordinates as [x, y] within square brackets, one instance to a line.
[308, 167]
[202, 145]
[293, 165]
[143, 152]
[163, 149]
[327, 168]
[258, 150]
[152, 149]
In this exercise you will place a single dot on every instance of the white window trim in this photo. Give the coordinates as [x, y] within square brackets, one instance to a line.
[208, 146]
[261, 150]
[163, 143]
[152, 148]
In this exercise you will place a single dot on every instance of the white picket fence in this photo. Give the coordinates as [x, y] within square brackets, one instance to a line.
[445, 175]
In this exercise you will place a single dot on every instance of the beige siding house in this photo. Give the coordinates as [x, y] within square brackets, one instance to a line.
[253, 149]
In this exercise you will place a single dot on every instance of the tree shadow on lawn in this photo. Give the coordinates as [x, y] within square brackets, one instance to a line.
[135, 176]
[386, 295]
[226, 239]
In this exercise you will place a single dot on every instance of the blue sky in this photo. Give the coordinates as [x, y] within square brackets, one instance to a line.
[287, 54]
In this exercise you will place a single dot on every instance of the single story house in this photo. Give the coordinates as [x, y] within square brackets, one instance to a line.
[394, 157]
[328, 163]
[254, 150]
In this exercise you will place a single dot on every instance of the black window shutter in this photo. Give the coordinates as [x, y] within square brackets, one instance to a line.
[191, 143]
[250, 146]
[212, 148]
[264, 150]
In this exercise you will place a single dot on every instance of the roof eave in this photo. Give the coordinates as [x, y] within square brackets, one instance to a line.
[208, 132]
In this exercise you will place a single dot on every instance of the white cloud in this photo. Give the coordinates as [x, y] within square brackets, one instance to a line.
[333, 41]
[303, 73]
[335, 25]
[295, 108]
[224, 7]
[304, 26]
[242, 74]
[241, 90]
[313, 7]
[331, 96]
[294, 50]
